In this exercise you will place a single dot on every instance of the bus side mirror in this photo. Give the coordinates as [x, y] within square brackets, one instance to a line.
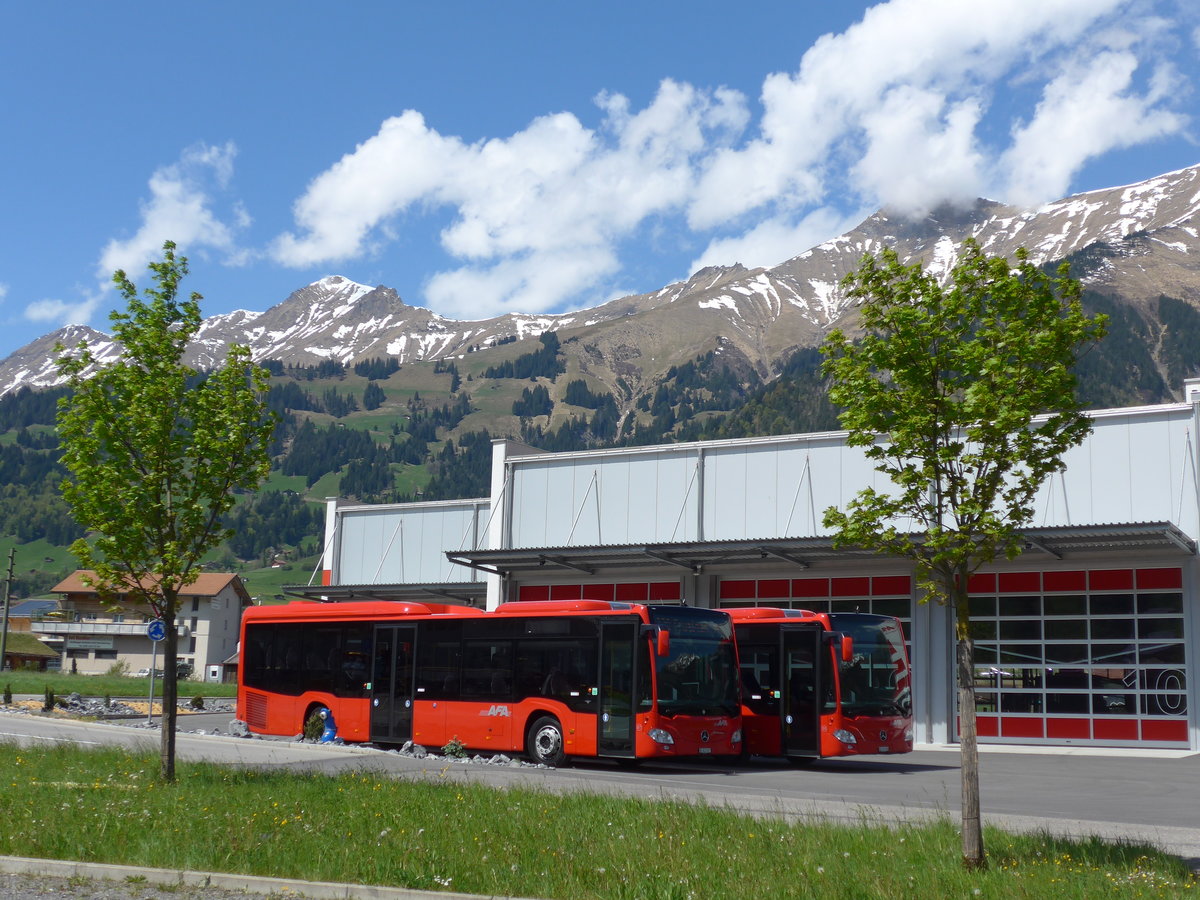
[663, 642]
[847, 648]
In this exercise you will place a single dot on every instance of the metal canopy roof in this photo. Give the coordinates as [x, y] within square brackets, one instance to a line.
[1058, 542]
[465, 592]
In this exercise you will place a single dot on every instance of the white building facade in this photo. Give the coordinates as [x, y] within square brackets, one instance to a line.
[1089, 637]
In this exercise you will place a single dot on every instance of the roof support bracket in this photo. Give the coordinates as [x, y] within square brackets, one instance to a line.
[786, 557]
[1034, 544]
[560, 561]
[463, 561]
[670, 560]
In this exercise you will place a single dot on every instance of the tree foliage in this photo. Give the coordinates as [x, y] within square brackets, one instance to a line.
[155, 454]
[964, 395]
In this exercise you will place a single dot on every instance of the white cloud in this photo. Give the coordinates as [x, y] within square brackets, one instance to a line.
[539, 214]
[895, 99]
[776, 240]
[3, 291]
[180, 209]
[60, 312]
[1086, 111]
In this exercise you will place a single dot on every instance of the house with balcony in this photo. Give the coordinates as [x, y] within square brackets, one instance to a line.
[91, 635]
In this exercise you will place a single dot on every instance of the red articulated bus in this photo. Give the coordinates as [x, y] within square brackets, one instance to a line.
[822, 684]
[552, 679]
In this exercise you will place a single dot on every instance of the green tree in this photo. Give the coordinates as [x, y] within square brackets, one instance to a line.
[155, 452]
[964, 395]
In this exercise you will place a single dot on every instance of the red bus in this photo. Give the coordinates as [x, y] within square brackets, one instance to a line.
[822, 684]
[552, 679]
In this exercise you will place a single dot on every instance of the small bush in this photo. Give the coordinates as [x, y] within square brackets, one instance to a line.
[454, 747]
[196, 702]
[8, 695]
[118, 669]
[314, 725]
[48, 700]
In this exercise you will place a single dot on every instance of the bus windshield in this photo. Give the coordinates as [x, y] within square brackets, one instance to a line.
[698, 676]
[876, 681]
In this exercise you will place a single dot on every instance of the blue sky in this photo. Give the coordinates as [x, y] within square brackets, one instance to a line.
[484, 157]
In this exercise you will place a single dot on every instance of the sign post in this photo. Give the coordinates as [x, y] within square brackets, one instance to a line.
[156, 630]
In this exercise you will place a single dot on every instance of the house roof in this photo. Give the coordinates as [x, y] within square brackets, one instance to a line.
[209, 584]
[32, 607]
[21, 643]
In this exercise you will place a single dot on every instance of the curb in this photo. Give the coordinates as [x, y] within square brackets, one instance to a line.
[318, 890]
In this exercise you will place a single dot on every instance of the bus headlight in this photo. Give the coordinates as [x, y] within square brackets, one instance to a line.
[908, 734]
[737, 737]
[661, 735]
[845, 736]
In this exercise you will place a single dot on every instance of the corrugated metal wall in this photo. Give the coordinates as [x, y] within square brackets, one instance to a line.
[1137, 466]
[407, 543]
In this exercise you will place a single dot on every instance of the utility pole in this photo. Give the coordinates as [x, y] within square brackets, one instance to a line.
[12, 552]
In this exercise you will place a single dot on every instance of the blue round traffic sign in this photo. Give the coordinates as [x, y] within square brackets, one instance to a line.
[156, 630]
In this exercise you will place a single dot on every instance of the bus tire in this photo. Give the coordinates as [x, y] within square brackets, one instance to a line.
[544, 743]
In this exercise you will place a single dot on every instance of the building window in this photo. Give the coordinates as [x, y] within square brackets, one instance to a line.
[192, 644]
[195, 604]
[106, 654]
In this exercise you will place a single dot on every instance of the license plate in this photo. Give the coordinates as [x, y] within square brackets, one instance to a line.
[884, 749]
[706, 749]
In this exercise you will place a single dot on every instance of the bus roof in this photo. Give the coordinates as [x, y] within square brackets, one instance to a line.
[774, 614]
[311, 610]
[554, 607]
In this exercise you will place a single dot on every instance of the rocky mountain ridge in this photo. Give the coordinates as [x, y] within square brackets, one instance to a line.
[1135, 242]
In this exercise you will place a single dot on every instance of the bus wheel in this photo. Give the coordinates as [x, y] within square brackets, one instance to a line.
[544, 743]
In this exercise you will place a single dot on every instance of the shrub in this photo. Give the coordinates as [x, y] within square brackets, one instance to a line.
[119, 668]
[196, 702]
[8, 695]
[314, 725]
[454, 747]
[48, 700]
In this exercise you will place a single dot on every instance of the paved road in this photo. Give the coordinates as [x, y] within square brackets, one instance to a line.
[1139, 795]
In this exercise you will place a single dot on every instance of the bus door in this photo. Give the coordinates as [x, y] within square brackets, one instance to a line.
[392, 687]
[618, 678]
[803, 693]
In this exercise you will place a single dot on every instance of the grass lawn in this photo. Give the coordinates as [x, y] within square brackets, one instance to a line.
[63, 683]
[107, 805]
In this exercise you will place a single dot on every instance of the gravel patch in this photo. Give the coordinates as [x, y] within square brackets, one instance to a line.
[34, 887]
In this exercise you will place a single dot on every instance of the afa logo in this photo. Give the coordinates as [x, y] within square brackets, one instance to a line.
[497, 710]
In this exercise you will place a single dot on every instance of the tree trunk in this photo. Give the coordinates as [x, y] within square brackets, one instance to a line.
[972, 827]
[170, 683]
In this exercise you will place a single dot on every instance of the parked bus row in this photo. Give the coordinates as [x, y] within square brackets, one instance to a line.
[580, 678]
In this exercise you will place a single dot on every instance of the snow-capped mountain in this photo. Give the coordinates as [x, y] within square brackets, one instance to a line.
[1135, 243]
